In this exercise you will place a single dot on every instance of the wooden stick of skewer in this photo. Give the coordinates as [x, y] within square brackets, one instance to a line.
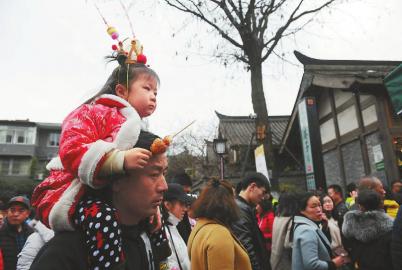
[177, 133]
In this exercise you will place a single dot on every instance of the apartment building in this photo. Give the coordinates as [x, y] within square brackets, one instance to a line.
[26, 147]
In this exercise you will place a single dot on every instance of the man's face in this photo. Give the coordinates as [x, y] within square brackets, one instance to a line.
[396, 187]
[333, 194]
[379, 188]
[17, 214]
[139, 195]
[257, 194]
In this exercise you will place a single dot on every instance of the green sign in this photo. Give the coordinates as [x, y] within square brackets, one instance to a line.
[393, 83]
[306, 143]
[378, 157]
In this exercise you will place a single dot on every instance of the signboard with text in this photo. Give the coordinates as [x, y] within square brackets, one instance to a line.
[306, 144]
[260, 164]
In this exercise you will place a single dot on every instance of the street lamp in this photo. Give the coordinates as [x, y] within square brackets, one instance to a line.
[220, 149]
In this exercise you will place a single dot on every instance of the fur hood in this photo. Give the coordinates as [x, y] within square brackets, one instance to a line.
[366, 226]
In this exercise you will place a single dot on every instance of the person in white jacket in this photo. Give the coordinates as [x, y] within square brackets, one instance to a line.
[33, 244]
[174, 206]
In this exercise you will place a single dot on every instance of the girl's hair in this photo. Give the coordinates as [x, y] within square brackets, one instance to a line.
[266, 206]
[287, 205]
[123, 72]
[217, 202]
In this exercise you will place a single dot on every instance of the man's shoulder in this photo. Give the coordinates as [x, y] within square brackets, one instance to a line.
[341, 207]
[65, 248]
[243, 205]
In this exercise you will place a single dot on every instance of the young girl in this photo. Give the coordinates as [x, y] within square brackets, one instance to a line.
[96, 143]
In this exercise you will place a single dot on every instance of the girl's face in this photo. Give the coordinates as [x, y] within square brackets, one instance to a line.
[327, 204]
[313, 209]
[142, 94]
[178, 209]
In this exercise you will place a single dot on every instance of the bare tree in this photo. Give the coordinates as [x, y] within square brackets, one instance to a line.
[253, 29]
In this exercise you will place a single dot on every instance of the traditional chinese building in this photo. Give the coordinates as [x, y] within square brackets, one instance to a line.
[343, 123]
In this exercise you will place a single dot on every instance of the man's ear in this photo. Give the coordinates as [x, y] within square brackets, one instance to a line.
[121, 91]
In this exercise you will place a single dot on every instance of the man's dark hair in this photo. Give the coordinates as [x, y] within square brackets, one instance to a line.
[337, 189]
[369, 199]
[254, 177]
[217, 202]
[182, 179]
[351, 187]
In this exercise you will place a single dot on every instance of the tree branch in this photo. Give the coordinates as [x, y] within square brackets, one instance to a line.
[292, 18]
[180, 6]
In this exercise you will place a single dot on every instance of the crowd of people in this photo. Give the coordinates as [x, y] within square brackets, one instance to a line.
[223, 228]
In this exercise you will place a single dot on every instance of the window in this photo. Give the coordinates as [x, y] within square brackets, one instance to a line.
[15, 166]
[17, 135]
[54, 139]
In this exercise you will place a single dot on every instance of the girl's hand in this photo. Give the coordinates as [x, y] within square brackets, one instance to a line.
[136, 158]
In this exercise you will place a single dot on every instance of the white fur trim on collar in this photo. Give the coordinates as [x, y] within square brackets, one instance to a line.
[55, 164]
[128, 134]
[129, 131]
[58, 217]
[114, 98]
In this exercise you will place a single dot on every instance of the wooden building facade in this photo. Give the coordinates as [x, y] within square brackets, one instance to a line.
[358, 131]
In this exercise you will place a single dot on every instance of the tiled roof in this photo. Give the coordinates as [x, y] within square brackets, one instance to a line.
[238, 129]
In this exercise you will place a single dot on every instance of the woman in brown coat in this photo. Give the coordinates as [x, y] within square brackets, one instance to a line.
[211, 245]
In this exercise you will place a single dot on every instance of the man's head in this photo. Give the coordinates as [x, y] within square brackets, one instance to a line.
[396, 186]
[352, 190]
[254, 187]
[184, 180]
[369, 200]
[138, 194]
[335, 192]
[18, 210]
[372, 183]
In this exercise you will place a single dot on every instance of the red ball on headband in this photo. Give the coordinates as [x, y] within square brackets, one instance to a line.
[141, 59]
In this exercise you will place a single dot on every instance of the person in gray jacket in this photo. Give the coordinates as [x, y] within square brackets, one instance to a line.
[311, 248]
[34, 243]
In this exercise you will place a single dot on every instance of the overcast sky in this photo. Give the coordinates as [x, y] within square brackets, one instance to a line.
[52, 58]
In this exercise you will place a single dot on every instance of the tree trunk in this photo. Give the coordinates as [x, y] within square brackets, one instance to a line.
[260, 108]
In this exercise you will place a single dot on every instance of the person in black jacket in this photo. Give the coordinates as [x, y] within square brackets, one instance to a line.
[14, 231]
[396, 243]
[253, 188]
[368, 233]
[136, 195]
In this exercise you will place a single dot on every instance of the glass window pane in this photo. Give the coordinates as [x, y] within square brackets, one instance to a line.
[30, 135]
[20, 136]
[9, 136]
[4, 166]
[20, 167]
[54, 139]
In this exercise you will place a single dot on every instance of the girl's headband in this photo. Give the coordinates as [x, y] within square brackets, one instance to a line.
[134, 51]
